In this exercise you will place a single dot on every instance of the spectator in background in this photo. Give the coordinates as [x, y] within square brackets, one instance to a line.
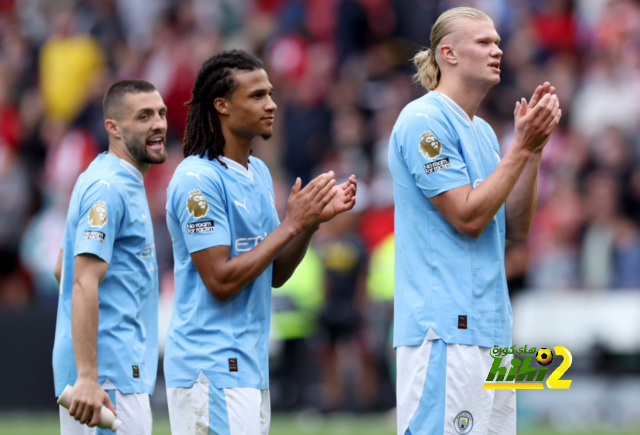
[602, 206]
[379, 315]
[14, 182]
[554, 242]
[69, 64]
[296, 307]
[626, 255]
[14, 209]
[348, 368]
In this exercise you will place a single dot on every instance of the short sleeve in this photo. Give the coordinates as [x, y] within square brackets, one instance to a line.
[429, 148]
[199, 206]
[101, 209]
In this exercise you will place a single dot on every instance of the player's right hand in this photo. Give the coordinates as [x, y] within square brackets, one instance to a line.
[305, 205]
[535, 124]
[86, 405]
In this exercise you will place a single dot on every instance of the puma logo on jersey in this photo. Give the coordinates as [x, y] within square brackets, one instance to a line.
[242, 204]
[426, 115]
[108, 184]
[195, 175]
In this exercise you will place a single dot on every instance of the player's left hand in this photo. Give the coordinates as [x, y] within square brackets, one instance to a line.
[540, 92]
[344, 200]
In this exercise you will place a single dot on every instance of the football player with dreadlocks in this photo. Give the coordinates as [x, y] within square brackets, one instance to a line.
[230, 249]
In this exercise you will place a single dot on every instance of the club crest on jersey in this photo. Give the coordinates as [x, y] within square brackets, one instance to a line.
[197, 204]
[463, 423]
[98, 215]
[430, 145]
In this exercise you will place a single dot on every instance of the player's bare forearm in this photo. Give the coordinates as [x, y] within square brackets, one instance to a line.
[84, 324]
[293, 253]
[470, 210]
[291, 256]
[521, 203]
[88, 395]
[225, 276]
[89, 273]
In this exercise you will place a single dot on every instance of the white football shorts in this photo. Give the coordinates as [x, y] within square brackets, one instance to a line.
[439, 391]
[134, 410]
[204, 409]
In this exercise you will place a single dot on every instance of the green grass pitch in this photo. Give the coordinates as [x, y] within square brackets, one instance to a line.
[301, 424]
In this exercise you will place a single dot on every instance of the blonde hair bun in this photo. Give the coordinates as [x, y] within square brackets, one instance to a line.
[428, 74]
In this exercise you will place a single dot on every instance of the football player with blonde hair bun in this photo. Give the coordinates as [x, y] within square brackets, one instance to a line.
[457, 201]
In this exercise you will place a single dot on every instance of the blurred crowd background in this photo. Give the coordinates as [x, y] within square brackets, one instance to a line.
[342, 72]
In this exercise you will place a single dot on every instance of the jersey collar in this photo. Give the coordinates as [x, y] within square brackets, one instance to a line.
[232, 164]
[132, 170]
[455, 108]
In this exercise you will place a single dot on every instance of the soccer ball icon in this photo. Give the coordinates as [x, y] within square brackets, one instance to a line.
[544, 356]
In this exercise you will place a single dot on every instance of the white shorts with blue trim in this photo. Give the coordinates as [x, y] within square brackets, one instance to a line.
[134, 410]
[204, 409]
[439, 391]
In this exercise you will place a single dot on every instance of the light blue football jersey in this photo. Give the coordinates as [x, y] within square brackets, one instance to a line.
[445, 281]
[210, 205]
[109, 217]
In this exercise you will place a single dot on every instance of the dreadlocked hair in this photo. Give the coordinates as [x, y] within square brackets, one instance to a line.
[216, 79]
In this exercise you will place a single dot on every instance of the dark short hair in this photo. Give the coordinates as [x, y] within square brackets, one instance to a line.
[215, 79]
[113, 97]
